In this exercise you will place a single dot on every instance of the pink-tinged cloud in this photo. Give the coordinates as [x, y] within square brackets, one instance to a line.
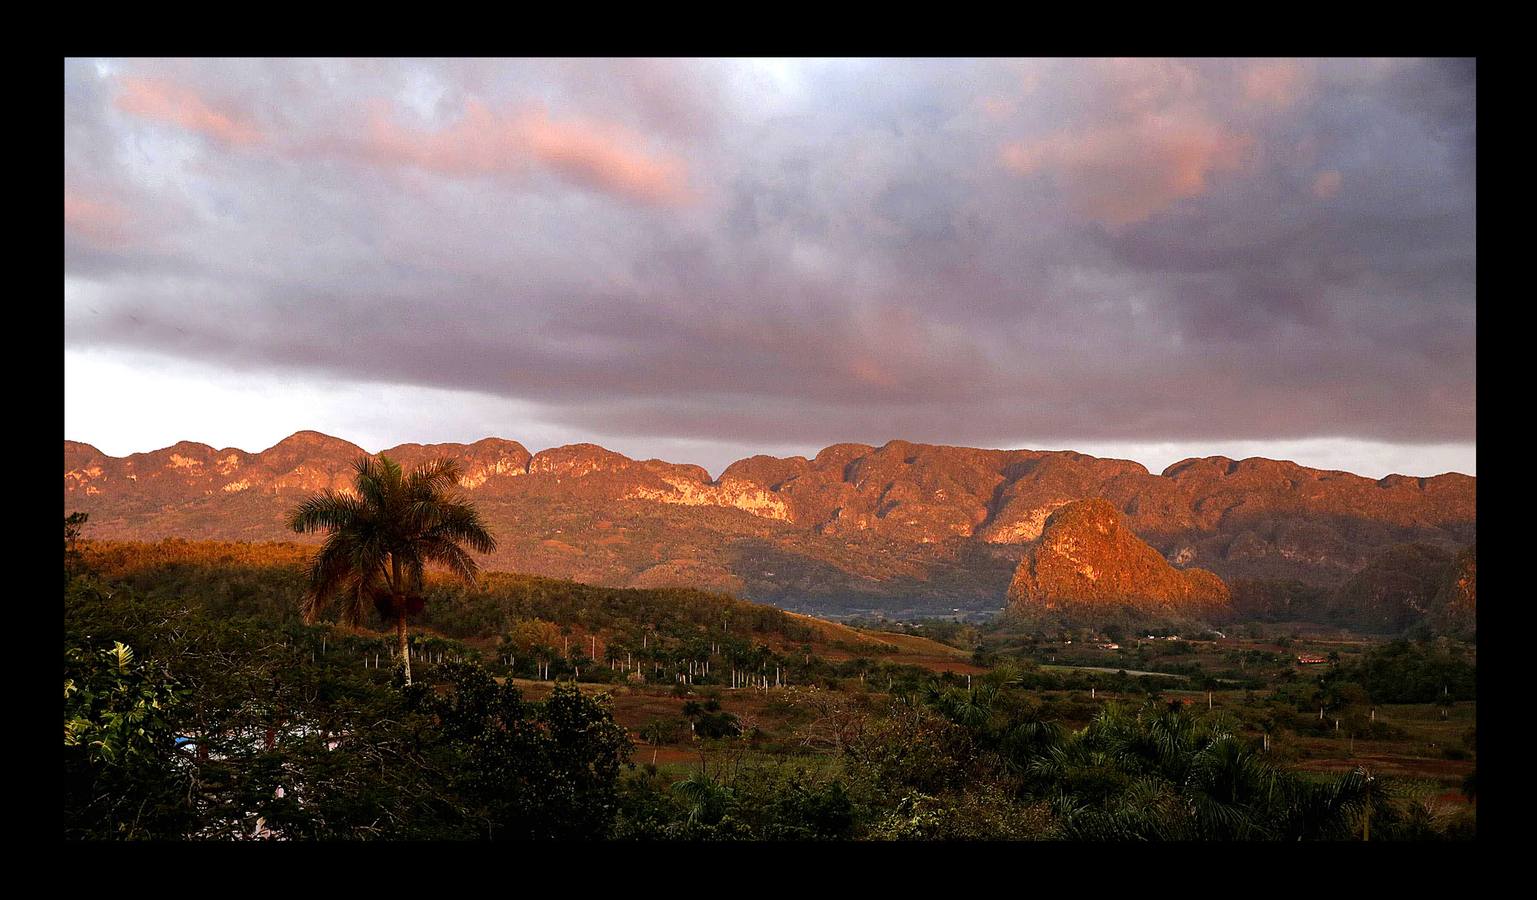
[597, 155]
[1327, 184]
[600, 156]
[101, 221]
[160, 100]
[1126, 171]
[1276, 82]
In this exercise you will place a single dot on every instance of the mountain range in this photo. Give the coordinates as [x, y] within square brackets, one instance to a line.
[856, 526]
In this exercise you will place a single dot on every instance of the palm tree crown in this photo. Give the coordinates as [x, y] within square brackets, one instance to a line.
[384, 535]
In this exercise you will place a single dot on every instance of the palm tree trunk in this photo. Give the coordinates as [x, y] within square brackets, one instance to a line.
[400, 630]
[400, 614]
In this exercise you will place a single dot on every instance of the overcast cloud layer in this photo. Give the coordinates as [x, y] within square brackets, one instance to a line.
[701, 259]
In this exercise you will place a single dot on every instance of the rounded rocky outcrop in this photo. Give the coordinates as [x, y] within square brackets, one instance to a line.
[1087, 559]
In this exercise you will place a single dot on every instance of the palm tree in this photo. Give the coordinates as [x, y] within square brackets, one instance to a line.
[656, 733]
[707, 799]
[382, 537]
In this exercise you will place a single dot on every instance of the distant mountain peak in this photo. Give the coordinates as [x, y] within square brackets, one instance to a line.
[316, 440]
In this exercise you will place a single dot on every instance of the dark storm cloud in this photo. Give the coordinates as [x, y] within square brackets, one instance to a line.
[938, 250]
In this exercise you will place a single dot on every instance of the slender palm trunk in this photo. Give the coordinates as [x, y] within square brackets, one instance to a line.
[400, 615]
[400, 631]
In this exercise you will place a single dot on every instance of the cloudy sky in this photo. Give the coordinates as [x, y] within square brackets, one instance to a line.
[702, 260]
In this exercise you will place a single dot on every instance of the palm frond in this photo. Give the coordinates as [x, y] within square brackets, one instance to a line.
[433, 479]
[451, 556]
[328, 511]
[340, 575]
[461, 523]
[374, 481]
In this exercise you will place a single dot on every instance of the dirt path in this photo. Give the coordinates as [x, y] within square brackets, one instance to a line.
[1111, 671]
[1392, 764]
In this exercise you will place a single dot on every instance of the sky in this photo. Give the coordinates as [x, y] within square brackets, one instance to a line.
[701, 260]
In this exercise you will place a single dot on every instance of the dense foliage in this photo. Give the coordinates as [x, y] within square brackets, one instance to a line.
[240, 727]
[119, 721]
[1416, 672]
[527, 770]
[986, 765]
